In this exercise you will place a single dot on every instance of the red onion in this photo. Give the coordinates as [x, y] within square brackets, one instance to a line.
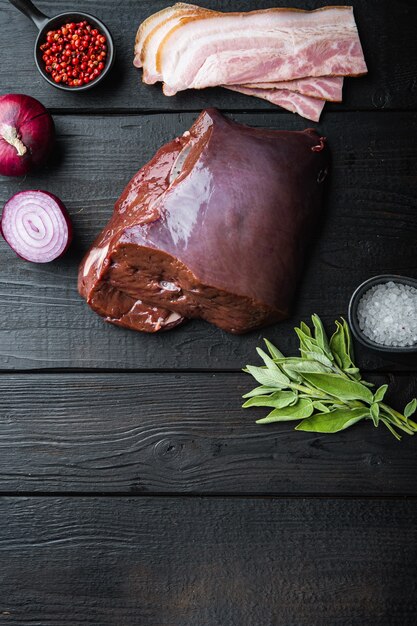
[27, 134]
[36, 226]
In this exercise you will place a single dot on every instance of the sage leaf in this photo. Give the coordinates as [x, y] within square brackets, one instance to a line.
[321, 358]
[354, 372]
[348, 339]
[310, 347]
[266, 359]
[380, 393]
[332, 422]
[307, 344]
[270, 378]
[305, 329]
[279, 399]
[259, 391]
[301, 410]
[303, 365]
[292, 375]
[321, 337]
[323, 387]
[410, 408]
[273, 350]
[340, 348]
[319, 406]
[375, 413]
[339, 387]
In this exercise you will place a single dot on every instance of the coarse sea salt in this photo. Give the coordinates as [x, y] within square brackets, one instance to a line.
[387, 314]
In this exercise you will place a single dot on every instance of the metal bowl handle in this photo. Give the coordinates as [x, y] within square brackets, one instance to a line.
[29, 9]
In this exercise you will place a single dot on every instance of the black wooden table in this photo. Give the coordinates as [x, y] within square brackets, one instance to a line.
[134, 489]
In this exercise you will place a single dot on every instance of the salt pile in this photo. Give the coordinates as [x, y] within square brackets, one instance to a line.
[387, 314]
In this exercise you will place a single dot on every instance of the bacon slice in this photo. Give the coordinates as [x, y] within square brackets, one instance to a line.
[153, 21]
[180, 9]
[155, 33]
[311, 108]
[152, 32]
[259, 46]
[323, 87]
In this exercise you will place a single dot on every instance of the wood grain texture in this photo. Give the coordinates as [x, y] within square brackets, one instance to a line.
[126, 558]
[211, 562]
[387, 31]
[184, 433]
[370, 228]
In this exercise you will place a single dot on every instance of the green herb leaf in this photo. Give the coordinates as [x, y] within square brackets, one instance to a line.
[375, 413]
[348, 340]
[292, 375]
[352, 370]
[339, 387]
[323, 387]
[380, 393]
[259, 391]
[270, 364]
[273, 350]
[332, 422]
[305, 329]
[304, 365]
[410, 408]
[321, 337]
[308, 344]
[301, 410]
[339, 348]
[279, 399]
[270, 378]
[319, 406]
[321, 358]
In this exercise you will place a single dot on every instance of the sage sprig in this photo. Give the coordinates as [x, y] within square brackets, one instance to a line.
[323, 387]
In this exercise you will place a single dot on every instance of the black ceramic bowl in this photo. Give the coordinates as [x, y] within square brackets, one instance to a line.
[353, 312]
[44, 24]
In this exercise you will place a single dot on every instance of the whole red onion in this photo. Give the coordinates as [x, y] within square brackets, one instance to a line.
[27, 134]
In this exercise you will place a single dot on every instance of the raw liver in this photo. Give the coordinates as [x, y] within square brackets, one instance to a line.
[215, 226]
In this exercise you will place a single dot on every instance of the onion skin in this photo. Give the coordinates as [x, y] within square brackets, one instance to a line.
[27, 121]
[11, 227]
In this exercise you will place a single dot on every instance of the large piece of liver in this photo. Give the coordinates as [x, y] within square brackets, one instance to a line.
[215, 226]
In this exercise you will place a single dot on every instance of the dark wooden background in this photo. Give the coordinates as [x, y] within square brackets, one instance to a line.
[133, 487]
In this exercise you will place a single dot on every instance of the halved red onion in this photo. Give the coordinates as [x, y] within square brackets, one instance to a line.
[36, 226]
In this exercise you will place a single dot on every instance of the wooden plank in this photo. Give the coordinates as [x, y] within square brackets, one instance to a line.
[390, 84]
[188, 562]
[370, 228]
[177, 433]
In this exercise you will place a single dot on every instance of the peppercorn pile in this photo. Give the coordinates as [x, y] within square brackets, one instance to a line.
[75, 54]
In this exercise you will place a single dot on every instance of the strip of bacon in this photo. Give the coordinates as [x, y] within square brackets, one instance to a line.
[156, 29]
[323, 87]
[153, 30]
[301, 95]
[155, 20]
[259, 46]
[146, 28]
[310, 108]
